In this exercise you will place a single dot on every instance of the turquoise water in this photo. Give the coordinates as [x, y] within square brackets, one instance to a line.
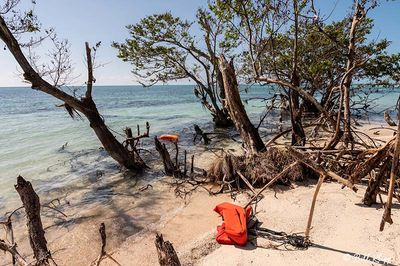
[33, 129]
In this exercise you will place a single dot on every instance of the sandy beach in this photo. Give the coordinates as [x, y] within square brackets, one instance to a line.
[344, 232]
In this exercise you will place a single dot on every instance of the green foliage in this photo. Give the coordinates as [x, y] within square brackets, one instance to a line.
[161, 48]
[158, 49]
[266, 31]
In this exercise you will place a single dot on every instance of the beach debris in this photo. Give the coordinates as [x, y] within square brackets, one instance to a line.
[169, 166]
[388, 119]
[166, 253]
[131, 143]
[63, 146]
[31, 204]
[170, 138]
[103, 254]
[258, 169]
[12, 246]
[233, 231]
[283, 239]
[173, 168]
[12, 249]
[386, 217]
[202, 136]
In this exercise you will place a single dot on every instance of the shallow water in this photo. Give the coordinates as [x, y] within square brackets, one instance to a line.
[33, 130]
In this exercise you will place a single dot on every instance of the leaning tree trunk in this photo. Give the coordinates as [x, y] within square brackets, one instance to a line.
[248, 132]
[114, 148]
[225, 120]
[85, 105]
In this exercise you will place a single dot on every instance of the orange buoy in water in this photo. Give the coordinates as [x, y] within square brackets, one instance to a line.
[170, 138]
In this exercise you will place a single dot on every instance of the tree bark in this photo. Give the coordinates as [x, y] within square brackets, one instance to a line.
[85, 105]
[12, 249]
[113, 147]
[298, 135]
[248, 132]
[166, 252]
[31, 203]
[348, 137]
[169, 166]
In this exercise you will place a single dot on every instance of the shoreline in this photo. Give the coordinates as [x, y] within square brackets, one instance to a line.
[132, 218]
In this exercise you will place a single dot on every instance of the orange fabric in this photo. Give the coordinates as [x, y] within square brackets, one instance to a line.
[234, 228]
[171, 138]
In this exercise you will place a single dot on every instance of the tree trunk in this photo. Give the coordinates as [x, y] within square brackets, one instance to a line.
[169, 166]
[85, 105]
[221, 119]
[31, 203]
[113, 147]
[248, 132]
[348, 137]
[166, 252]
[298, 135]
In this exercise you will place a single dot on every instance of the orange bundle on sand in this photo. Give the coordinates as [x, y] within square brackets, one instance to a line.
[233, 231]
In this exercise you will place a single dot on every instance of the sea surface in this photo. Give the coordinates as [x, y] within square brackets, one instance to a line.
[39, 140]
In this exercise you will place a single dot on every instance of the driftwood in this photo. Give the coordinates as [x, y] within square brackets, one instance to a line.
[31, 203]
[375, 183]
[247, 182]
[166, 252]
[310, 216]
[174, 168]
[12, 249]
[388, 119]
[103, 254]
[302, 157]
[132, 142]
[199, 133]
[10, 232]
[270, 183]
[169, 166]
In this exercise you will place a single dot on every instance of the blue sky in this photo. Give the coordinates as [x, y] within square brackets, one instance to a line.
[105, 20]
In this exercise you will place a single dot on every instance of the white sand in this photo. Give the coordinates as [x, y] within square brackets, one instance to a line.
[342, 227]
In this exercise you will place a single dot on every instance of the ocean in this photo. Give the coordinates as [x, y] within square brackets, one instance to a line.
[33, 130]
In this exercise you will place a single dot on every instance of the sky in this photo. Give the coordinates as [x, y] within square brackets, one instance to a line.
[105, 21]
